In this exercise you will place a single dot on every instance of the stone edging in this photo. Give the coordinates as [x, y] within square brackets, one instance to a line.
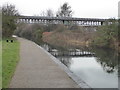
[79, 81]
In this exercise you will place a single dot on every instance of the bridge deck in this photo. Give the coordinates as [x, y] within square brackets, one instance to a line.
[62, 18]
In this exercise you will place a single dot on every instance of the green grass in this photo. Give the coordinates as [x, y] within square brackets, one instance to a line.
[0, 64]
[10, 57]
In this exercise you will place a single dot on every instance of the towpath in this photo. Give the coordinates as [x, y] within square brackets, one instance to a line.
[37, 70]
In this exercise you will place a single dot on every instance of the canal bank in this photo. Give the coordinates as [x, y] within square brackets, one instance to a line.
[37, 69]
[97, 67]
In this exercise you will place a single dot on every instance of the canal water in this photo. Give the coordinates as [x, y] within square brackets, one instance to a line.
[97, 67]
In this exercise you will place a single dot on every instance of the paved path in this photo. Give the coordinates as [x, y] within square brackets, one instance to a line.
[36, 69]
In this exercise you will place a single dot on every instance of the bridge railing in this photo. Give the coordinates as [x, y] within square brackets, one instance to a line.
[61, 20]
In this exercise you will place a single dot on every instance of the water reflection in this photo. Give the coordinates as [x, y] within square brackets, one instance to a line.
[107, 58]
[92, 73]
[97, 67]
[66, 61]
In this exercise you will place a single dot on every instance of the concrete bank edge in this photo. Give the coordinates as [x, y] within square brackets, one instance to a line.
[79, 81]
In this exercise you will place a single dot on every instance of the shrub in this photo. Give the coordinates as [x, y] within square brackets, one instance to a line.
[9, 14]
[107, 35]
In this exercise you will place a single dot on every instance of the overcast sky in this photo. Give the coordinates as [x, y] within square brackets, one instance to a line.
[81, 8]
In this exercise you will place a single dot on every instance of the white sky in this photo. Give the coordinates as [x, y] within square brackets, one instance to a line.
[81, 8]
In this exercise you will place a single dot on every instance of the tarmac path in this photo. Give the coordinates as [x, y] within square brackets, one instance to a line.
[36, 69]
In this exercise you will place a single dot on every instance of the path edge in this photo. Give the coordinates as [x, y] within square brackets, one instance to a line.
[80, 82]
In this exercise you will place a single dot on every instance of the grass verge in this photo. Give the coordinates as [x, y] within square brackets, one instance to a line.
[10, 57]
[0, 64]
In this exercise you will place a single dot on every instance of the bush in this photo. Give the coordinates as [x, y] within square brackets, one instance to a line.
[107, 35]
[60, 28]
[9, 14]
[32, 32]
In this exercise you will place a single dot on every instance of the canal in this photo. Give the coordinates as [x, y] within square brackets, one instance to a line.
[97, 67]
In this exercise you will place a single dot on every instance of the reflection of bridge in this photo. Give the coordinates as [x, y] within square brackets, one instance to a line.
[72, 54]
[68, 53]
[61, 20]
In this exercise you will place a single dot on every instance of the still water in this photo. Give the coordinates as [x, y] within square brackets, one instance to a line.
[92, 73]
[97, 67]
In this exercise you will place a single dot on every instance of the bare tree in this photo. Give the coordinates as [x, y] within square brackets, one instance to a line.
[64, 11]
[43, 13]
[49, 13]
[9, 14]
[9, 10]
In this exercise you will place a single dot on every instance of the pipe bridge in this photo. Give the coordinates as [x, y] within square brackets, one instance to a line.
[61, 20]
